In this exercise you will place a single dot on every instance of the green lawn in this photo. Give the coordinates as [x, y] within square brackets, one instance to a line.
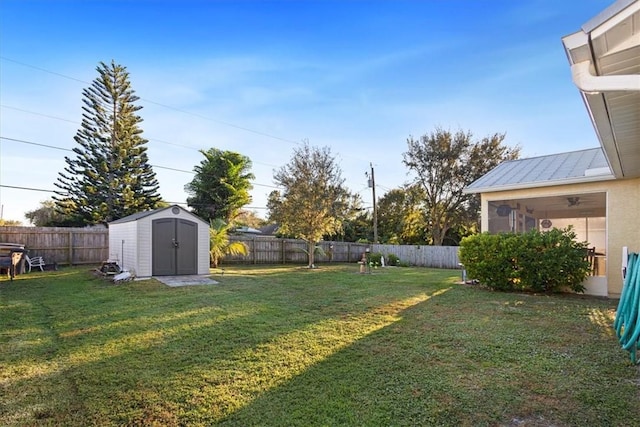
[286, 346]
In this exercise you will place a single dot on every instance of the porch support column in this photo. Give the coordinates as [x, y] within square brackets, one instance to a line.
[484, 213]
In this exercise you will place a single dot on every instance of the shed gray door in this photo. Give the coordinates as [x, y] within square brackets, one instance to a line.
[175, 247]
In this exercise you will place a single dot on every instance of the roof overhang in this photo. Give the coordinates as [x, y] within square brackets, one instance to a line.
[605, 66]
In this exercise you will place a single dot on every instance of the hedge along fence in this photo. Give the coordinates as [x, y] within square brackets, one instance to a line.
[61, 245]
[272, 250]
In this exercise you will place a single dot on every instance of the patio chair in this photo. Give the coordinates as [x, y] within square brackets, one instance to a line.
[36, 261]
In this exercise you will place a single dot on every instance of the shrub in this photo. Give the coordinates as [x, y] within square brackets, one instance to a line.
[374, 259]
[533, 261]
[490, 259]
[392, 259]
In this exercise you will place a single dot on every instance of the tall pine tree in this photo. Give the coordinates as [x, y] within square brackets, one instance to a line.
[110, 177]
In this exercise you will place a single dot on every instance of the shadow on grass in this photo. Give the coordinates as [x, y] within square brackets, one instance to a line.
[326, 348]
[149, 354]
[500, 359]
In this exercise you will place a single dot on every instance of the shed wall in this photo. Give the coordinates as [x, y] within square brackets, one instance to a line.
[145, 245]
[203, 247]
[124, 254]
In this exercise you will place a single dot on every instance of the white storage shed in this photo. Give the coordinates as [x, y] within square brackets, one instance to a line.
[168, 241]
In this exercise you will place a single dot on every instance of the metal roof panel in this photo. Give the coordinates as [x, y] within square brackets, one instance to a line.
[554, 168]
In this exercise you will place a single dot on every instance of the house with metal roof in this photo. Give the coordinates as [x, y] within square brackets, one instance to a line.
[597, 190]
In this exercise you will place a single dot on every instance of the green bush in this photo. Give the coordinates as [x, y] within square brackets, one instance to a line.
[534, 261]
[392, 259]
[374, 259]
[489, 258]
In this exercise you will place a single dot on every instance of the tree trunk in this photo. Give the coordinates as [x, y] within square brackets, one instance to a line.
[437, 236]
[312, 253]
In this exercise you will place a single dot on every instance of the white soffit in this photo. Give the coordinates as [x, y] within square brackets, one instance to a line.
[605, 62]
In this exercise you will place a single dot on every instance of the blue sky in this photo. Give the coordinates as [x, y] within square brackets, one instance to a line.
[259, 77]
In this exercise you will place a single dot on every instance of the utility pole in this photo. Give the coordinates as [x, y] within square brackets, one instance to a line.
[372, 185]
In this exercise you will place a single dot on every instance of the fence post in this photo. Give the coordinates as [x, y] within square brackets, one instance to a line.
[70, 248]
[282, 250]
[253, 243]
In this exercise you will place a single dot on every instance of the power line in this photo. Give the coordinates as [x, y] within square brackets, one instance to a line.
[180, 110]
[53, 191]
[27, 188]
[36, 143]
[22, 141]
[22, 110]
[244, 128]
[42, 69]
[39, 114]
[229, 124]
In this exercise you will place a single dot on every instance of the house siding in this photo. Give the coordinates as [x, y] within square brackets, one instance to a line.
[623, 225]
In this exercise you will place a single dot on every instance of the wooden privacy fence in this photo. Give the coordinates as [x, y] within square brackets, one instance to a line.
[64, 245]
[61, 245]
[272, 250]
[422, 255]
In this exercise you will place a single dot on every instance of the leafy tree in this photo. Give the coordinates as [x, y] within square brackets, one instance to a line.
[360, 227]
[314, 201]
[220, 245]
[445, 164]
[47, 215]
[221, 185]
[401, 219]
[9, 222]
[248, 219]
[357, 225]
[110, 177]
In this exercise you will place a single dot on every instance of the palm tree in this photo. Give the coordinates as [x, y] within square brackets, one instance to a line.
[220, 245]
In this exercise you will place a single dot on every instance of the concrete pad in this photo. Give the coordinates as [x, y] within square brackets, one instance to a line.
[193, 280]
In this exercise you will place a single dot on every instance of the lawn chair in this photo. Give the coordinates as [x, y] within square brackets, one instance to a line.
[36, 261]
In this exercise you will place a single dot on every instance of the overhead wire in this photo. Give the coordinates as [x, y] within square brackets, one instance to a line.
[79, 124]
[180, 110]
[183, 111]
[54, 147]
[186, 112]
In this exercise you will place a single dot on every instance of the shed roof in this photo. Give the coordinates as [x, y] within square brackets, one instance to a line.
[555, 169]
[139, 215]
